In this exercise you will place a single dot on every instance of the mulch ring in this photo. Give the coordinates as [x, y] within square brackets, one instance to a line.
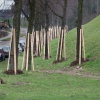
[59, 61]
[3, 33]
[11, 72]
[76, 62]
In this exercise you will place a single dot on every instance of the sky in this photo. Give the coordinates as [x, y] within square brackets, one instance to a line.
[7, 4]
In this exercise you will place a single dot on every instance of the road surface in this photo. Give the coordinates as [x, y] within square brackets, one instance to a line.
[7, 43]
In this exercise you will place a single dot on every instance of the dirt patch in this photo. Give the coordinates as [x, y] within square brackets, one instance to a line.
[21, 83]
[59, 61]
[11, 72]
[75, 71]
[76, 62]
[3, 33]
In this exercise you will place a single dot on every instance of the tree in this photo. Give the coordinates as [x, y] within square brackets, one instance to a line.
[30, 18]
[79, 24]
[62, 16]
[16, 26]
[44, 11]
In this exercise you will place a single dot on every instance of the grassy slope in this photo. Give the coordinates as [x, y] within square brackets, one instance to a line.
[44, 86]
[92, 45]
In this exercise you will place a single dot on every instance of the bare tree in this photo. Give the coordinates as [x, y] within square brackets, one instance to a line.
[30, 18]
[16, 26]
[63, 9]
[79, 24]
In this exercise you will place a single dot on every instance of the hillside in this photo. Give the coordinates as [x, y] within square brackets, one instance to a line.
[92, 45]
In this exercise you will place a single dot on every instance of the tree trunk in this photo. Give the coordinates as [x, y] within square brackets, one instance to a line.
[79, 23]
[61, 42]
[16, 25]
[30, 28]
[46, 30]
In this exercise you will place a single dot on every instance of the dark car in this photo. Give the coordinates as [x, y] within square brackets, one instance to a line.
[6, 50]
[22, 44]
[2, 55]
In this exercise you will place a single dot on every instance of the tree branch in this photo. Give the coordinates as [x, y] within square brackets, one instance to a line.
[25, 14]
[54, 12]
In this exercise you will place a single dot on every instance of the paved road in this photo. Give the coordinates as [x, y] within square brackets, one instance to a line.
[7, 43]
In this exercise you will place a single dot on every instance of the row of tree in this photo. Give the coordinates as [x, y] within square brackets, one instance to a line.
[45, 14]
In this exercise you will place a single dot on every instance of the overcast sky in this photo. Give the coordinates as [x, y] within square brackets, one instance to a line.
[7, 4]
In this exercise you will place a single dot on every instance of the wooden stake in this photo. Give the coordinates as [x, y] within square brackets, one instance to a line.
[32, 52]
[83, 44]
[41, 41]
[24, 59]
[14, 40]
[48, 45]
[64, 33]
[36, 43]
[61, 44]
[10, 49]
[80, 47]
[39, 44]
[44, 44]
[27, 58]
[58, 45]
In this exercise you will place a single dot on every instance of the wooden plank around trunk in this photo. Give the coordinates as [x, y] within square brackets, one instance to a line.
[83, 45]
[64, 33]
[32, 38]
[10, 49]
[27, 57]
[61, 42]
[24, 55]
[80, 47]
[14, 41]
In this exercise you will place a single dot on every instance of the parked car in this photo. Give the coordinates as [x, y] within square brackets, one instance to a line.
[22, 44]
[6, 50]
[2, 55]
[21, 47]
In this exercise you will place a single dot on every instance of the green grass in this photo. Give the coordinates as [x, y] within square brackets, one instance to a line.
[55, 86]
[7, 39]
[40, 86]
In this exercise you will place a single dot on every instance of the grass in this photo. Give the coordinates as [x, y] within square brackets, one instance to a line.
[43, 86]
[7, 39]
[56, 86]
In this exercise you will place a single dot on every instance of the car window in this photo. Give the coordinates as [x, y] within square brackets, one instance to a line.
[6, 48]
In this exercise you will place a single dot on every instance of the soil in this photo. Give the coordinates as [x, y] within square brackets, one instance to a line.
[21, 83]
[11, 72]
[75, 71]
[3, 34]
[59, 61]
[76, 62]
